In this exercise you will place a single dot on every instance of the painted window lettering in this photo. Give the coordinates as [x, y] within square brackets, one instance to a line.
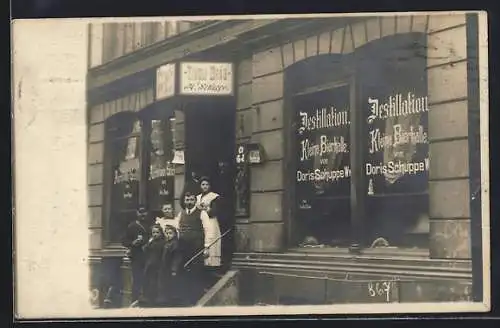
[323, 175]
[392, 167]
[379, 141]
[397, 105]
[326, 146]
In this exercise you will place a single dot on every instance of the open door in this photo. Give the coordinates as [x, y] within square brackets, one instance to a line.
[210, 149]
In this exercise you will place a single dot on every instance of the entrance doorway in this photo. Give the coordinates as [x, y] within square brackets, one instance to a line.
[210, 151]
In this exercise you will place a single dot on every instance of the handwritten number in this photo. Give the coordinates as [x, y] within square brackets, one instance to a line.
[380, 289]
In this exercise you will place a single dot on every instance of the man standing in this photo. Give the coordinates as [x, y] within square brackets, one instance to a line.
[192, 225]
[135, 237]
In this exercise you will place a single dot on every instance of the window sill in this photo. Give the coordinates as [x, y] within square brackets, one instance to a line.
[379, 251]
[409, 264]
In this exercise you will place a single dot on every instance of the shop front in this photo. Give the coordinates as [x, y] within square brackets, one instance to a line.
[341, 146]
[367, 192]
[155, 142]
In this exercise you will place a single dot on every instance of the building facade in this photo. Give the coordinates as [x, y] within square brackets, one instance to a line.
[346, 150]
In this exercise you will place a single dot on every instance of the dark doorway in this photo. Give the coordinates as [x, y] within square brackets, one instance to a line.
[210, 151]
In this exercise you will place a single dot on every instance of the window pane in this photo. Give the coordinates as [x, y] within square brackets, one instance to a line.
[393, 92]
[118, 224]
[323, 164]
[125, 165]
[161, 170]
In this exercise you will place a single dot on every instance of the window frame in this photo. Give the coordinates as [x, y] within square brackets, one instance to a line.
[145, 116]
[109, 142]
[358, 197]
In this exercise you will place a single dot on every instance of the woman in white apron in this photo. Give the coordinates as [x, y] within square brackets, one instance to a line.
[206, 201]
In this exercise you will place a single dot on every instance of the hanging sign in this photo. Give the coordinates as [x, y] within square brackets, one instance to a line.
[199, 78]
[255, 153]
[165, 81]
[178, 157]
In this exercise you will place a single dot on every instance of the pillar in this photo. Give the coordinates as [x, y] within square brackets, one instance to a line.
[449, 195]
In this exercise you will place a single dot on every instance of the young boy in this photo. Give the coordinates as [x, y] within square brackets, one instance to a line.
[153, 252]
[169, 286]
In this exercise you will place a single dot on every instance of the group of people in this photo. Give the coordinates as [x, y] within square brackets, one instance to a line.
[176, 258]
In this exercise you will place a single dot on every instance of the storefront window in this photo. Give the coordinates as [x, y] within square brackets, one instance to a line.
[393, 94]
[123, 147]
[160, 186]
[139, 154]
[385, 82]
[323, 169]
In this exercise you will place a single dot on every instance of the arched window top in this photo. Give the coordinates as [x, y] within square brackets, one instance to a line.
[304, 74]
[122, 124]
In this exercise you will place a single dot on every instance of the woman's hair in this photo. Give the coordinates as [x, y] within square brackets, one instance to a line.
[204, 179]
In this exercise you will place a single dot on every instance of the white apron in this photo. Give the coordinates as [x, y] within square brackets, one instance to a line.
[212, 231]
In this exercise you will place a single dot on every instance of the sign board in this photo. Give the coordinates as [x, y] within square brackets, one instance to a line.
[255, 153]
[178, 157]
[165, 81]
[206, 79]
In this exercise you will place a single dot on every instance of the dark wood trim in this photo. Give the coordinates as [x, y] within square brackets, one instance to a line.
[288, 209]
[356, 163]
[473, 95]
